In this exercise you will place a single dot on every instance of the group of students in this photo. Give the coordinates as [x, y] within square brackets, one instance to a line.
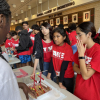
[54, 51]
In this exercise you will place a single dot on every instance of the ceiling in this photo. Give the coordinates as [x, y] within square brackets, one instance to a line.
[22, 5]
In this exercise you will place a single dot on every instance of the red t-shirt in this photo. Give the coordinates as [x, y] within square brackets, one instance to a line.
[60, 54]
[8, 43]
[72, 38]
[47, 51]
[89, 89]
[15, 44]
[32, 37]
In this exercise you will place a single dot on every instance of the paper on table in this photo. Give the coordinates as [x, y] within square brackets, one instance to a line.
[20, 73]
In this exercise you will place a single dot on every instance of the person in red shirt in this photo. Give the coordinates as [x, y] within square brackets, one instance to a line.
[15, 42]
[87, 64]
[47, 44]
[72, 36]
[61, 61]
[8, 41]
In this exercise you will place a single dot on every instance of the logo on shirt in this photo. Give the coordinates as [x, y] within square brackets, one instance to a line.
[88, 59]
[15, 45]
[47, 49]
[32, 38]
[58, 55]
[9, 44]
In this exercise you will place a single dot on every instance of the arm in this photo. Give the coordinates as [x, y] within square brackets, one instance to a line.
[85, 73]
[76, 68]
[50, 69]
[62, 73]
[26, 90]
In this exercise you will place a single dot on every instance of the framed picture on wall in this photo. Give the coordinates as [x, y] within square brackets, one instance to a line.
[57, 21]
[75, 18]
[65, 20]
[46, 21]
[86, 16]
[65, 27]
[41, 22]
[51, 22]
[37, 23]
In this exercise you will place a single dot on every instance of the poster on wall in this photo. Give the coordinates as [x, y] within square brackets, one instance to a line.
[37, 23]
[57, 21]
[65, 20]
[75, 18]
[65, 27]
[51, 22]
[86, 16]
[41, 22]
[46, 21]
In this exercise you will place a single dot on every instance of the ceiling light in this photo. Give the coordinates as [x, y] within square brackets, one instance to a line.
[21, 0]
[22, 11]
[14, 5]
[29, 7]
[40, 1]
[12, 17]
[16, 14]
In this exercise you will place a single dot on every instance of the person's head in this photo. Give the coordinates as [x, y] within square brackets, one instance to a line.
[36, 28]
[85, 32]
[46, 29]
[71, 26]
[60, 36]
[5, 19]
[61, 26]
[18, 29]
[9, 35]
[14, 35]
[33, 27]
[25, 25]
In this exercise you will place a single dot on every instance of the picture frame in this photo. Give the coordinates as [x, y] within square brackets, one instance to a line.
[65, 20]
[51, 22]
[65, 27]
[86, 16]
[75, 18]
[57, 21]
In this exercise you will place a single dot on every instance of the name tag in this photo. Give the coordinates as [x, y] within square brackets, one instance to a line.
[57, 73]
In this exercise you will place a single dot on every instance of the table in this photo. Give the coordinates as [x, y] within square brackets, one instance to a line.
[14, 60]
[29, 70]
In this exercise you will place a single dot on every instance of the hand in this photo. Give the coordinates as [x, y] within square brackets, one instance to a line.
[81, 48]
[61, 86]
[88, 67]
[33, 55]
[48, 76]
[12, 49]
[26, 90]
[32, 75]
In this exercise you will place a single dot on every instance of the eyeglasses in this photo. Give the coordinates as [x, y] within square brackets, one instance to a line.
[78, 36]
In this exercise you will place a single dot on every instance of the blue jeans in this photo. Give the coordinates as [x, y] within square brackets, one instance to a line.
[74, 47]
[46, 67]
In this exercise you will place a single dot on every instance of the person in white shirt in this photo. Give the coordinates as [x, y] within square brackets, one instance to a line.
[8, 84]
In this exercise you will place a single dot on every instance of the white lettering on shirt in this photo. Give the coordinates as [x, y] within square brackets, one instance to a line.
[47, 49]
[58, 55]
[32, 38]
[88, 59]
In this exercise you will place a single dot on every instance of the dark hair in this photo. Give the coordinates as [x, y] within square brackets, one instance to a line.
[87, 27]
[61, 26]
[5, 9]
[10, 33]
[35, 27]
[25, 22]
[67, 29]
[13, 33]
[48, 26]
[63, 33]
[18, 28]
[72, 26]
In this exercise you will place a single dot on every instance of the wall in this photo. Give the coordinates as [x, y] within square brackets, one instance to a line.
[76, 9]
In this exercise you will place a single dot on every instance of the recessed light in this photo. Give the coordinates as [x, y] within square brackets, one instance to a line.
[40, 1]
[14, 5]
[16, 14]
[22, 11]
[21, 0]
[29, 7]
